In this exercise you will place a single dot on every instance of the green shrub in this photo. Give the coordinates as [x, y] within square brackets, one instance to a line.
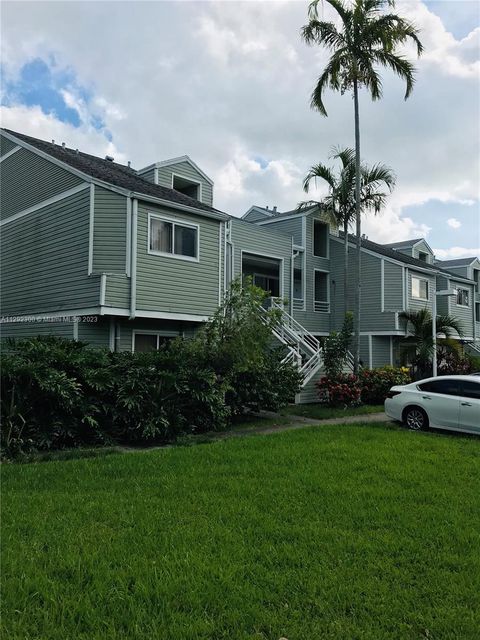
[335, 349]
[375, 383]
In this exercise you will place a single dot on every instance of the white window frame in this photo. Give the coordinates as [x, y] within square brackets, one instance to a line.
[464, 306]
[327, 256]
[420, 280]
[173, 221]
[197, 182]
[158, 334]
[252, 252]
[328, 291]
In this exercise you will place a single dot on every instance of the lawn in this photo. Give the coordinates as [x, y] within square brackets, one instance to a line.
[327, 532]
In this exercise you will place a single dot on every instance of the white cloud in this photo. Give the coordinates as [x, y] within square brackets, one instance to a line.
[230, 82]
[456, 252]
[454, 223]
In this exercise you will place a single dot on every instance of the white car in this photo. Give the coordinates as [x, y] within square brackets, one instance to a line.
[445, 402]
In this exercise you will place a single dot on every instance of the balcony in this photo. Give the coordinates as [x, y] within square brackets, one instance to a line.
[321, 306]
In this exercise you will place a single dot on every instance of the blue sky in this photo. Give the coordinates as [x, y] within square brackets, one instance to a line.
[231, 88]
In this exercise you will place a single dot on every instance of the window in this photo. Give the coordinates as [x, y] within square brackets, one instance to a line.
[169, 237]
[419, 288]
[188, 187]
[320, 239]
[446, 386]
[470, 389]
[463, 297]
[321, 297]
[423, 256]
[146, 342]
[477, 312]
[269, 284]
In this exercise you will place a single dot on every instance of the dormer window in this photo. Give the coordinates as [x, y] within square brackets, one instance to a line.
[187, 186]
[423, 256]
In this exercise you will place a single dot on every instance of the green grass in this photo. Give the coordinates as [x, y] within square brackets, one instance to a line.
[348, 532]
[321, 412]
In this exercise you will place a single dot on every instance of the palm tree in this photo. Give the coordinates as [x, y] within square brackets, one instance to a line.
[339, 204]
[368, 37]
[420, 341]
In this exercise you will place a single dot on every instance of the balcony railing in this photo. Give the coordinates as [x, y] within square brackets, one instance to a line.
[297, 304]
[321, 306]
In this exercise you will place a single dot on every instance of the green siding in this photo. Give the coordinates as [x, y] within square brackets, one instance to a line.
[290, 227]
[6, 145]
[255, 216]
[174, 285]
[117, 292]
[392, 286]
[149, 175]
[28, 179]
[44, 259]
[463, 314]
[20, 330]
[261, 240]
[185, 170]
[110, 231]
[96, 333]
[380, 351]
[415, 304]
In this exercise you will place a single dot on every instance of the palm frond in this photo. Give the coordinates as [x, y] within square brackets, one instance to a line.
[319, 171]
[402, 67]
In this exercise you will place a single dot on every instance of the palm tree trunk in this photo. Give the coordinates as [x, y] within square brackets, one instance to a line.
[345, 264]
[356, 351]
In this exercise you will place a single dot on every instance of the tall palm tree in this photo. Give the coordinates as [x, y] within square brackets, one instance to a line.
[339, 203]
[420, 341]
[368, 37]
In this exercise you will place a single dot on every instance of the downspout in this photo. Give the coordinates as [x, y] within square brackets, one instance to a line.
[133, 257]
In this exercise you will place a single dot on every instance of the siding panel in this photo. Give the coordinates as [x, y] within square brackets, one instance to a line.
[110, 232]
[28, 179]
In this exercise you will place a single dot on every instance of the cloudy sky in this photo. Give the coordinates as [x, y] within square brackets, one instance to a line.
[228, 83]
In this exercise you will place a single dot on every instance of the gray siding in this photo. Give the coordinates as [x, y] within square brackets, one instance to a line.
[174, 285]
[44, 259]
[96, 333]
[415, 304]
[28, 179]
[6, 145]
[117, 293]
[185, 170]
[463, 314]
[110, 231]
[393, 287]
[380, 351]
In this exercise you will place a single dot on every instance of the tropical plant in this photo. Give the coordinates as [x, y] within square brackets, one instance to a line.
[335, 349]
[418, 346]
[339, 203]
[368, 37]
[376, 383]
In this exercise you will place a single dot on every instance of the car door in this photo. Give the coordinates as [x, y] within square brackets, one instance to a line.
[441, 401]
[469, 411]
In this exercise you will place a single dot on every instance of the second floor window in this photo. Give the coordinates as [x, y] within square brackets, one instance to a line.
[320, 239]
[174, 238]
[419, 289]
[463, 297]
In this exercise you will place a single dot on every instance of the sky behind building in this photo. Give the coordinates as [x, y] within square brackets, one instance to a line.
[229, 84]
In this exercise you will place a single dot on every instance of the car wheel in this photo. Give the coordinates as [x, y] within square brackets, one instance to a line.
[415, 418]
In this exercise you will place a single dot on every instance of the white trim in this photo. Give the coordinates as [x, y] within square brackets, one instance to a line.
[328, 290]
[383, 333]
[463, 306]
[174, 222]
[370, 352]
[133, 268]
[9, 153]
[382, 285]
[404, 290]
[91, 228]
[391, 351]
[89, 311]
[197, 182]
[155, 175]
[325, 224]
[128, 251]
[45, 203]
[111, 334]
[75, 330]
[427, 299]
[154, 315]
[397, 326]
[266, 255]
[103, 288]
[220, 228]
[280, 218]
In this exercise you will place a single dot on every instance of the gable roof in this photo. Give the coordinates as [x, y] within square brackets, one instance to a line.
[459, 262]
[388, 252]
[404, 243]
[173, 161]
[112, 173]
[267, 212]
